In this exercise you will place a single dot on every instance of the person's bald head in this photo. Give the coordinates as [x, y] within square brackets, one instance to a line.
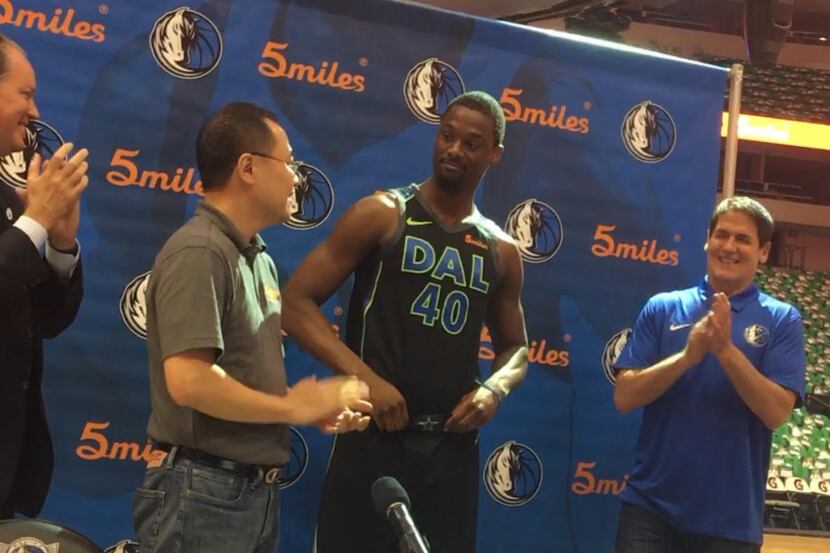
[6, 45]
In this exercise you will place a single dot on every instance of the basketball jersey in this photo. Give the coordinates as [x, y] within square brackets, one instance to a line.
[419, 303]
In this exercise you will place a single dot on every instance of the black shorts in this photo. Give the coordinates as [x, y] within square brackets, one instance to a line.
[440, 472]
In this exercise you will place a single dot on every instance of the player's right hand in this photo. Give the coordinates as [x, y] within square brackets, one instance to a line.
[389, 406]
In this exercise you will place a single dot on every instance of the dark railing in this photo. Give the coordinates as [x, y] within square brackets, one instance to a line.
[778, 191]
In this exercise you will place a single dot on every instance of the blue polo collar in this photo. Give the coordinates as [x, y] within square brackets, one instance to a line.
[737, 301]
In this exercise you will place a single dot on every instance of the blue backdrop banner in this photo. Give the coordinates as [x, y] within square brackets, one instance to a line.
[607, 182]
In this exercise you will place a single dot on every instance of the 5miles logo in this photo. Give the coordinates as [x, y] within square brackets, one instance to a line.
[59, 22]
[648, 251]
[276, 66]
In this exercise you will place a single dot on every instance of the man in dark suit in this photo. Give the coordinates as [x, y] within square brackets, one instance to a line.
[40, 285]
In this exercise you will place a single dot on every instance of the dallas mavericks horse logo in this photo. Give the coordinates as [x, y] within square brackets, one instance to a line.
[41, 139]
[756, 335]
[314, 197]
[186, 44]
[513, 474]
[537, 230]
[612, 351]
[648, 132]
[134, 305]
[429, 87]
[298, 461]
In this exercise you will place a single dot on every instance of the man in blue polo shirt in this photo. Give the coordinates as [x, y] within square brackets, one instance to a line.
[716, 367]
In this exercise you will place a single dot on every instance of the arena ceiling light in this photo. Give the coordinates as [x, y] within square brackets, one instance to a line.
[780, 131]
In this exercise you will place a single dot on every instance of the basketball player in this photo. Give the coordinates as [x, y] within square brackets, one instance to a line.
[429, 270]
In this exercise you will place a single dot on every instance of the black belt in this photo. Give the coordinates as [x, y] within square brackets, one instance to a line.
[422, 423]
[427, 423]
[269, 473]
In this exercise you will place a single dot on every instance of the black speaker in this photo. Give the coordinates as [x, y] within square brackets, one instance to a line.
[40, 536]
[766, 24]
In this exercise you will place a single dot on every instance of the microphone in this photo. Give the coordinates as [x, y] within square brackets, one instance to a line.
[392, 503]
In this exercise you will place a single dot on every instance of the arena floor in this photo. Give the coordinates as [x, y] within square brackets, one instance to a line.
[776, 543]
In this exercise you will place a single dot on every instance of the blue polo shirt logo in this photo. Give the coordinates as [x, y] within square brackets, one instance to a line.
[756, 335]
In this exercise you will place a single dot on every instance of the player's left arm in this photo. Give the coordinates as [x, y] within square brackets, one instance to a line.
[770, 401]
[506, 322]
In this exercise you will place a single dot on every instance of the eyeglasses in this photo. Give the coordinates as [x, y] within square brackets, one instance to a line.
[294, 166]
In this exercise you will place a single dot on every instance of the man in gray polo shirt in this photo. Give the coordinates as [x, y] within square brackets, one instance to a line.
[220, 404]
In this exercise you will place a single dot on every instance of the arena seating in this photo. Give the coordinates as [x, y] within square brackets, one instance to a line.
[798, 487]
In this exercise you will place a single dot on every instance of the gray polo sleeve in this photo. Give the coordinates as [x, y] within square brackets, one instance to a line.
[192, 290]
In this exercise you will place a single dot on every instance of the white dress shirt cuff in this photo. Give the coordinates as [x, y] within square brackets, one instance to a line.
[63, 263]
[34, 230]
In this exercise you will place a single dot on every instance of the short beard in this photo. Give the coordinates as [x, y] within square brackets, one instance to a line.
[448, 184]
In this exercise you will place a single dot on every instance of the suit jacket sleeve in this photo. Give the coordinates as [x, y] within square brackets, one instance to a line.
[56, 301]
[21, 267]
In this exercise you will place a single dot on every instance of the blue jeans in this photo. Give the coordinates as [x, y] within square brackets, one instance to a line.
[641, 531]
[187, 507]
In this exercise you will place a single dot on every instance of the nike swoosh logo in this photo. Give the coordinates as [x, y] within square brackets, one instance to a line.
[412, 222]
[675, 326]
